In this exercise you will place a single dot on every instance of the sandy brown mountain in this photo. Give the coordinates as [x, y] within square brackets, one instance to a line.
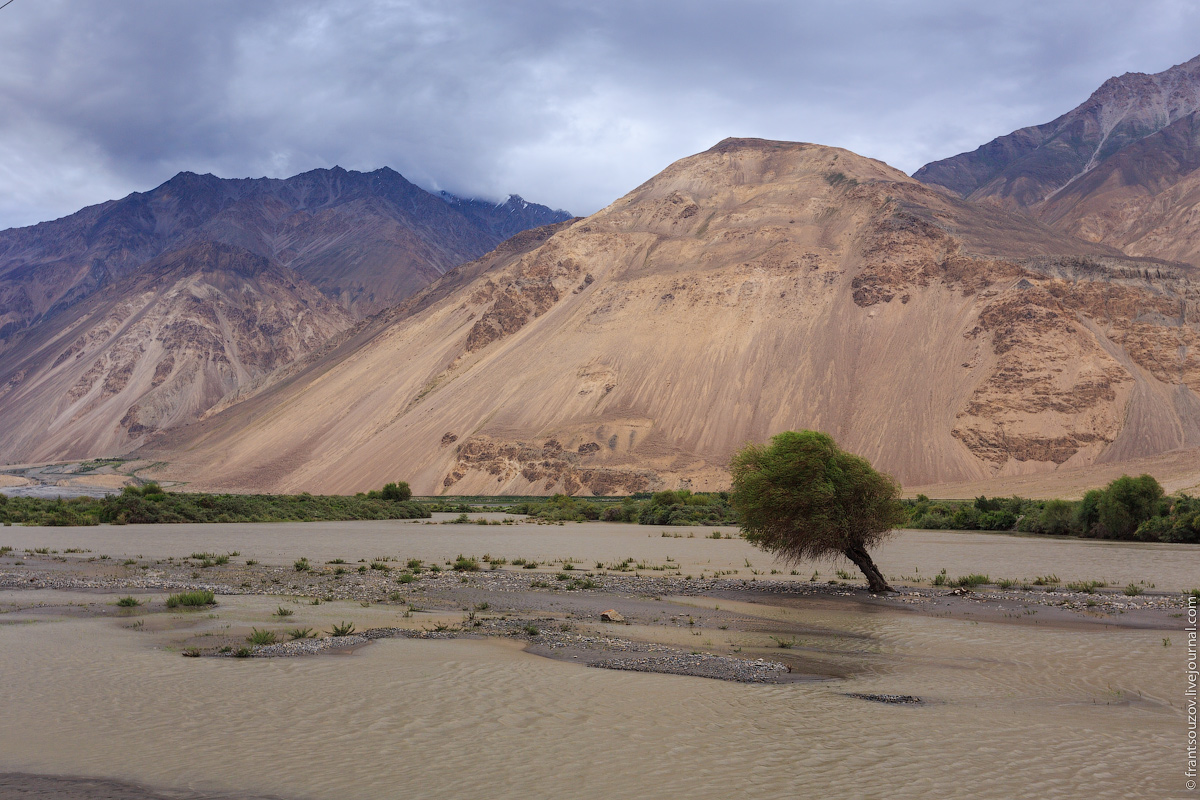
[154, 350]
[755, 287]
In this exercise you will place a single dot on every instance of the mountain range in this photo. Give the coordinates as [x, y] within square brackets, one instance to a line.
[1029, 308]
[754, 287]
[141, 313]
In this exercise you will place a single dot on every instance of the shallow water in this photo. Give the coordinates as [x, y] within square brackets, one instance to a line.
[1171, 567]
[1012, 711]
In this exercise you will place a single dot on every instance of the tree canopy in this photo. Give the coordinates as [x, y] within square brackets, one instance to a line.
[802, 497]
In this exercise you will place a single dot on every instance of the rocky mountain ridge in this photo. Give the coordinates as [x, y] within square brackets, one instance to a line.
[366, 240]
[1025, 168]
[142, 313]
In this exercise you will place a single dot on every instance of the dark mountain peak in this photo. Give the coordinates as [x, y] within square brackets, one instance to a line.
[367, 239]
[1026, 167]
[508, 217]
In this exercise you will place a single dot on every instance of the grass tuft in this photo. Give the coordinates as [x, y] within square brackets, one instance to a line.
[344, 629]
[258, 637]
[192, 599]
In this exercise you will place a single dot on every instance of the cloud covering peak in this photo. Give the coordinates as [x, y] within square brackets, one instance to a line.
[568, 103]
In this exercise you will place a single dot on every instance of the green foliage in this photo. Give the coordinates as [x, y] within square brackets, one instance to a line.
[684, 508]
[344, 629]
[1125, 504]
[396, 492]
[129, 602]
[982, 514]
[801, 496]
[1131, 509]
[680, 507]
[464, 564]
[258, 637]
[1056, 517]
[195, 598]
[1179, 523]
[150, 504]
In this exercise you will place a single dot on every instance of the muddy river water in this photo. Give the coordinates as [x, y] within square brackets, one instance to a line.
[1174, 567]
[1009, 711]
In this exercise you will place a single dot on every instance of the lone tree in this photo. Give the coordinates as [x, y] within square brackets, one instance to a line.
[803, 497]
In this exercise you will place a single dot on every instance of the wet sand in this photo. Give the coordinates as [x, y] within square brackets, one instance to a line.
[1022, 693]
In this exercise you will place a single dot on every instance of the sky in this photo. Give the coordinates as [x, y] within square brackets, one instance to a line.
[565, 102]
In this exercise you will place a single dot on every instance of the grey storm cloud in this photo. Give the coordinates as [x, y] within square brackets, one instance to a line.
[570, 104]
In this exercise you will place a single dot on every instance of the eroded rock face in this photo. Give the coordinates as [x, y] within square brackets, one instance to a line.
[195, 327]
[547, 467]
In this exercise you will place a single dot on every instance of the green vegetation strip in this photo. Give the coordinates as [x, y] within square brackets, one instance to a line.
[150, 504]
[660, 508]
[1128, 509]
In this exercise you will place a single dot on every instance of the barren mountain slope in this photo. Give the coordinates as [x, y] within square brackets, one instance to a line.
[756, 287]
[1027, 166]
[155, 350]
[1144, 200]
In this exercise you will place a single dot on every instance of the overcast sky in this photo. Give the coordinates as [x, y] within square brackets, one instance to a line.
[570, 104]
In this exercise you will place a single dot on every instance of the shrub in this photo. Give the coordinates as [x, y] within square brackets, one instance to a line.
[396, 492]
[129, 602]
[464, 564]
[1125, 504]
[1056, 518]
[344, 629]
[198, 597]
[258, 637]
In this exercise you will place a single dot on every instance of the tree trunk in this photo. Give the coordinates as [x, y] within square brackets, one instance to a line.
[862, 559]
